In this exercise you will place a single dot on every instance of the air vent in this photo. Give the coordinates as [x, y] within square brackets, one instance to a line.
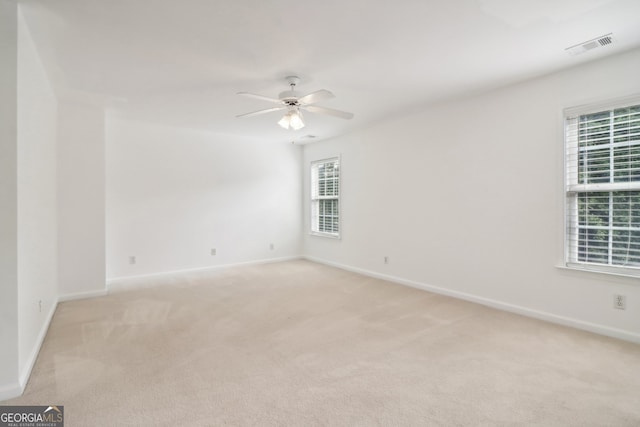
[605, 40]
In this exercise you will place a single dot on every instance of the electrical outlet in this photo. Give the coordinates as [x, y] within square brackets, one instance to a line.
[132, 260]
[213, 252]
[620, 302]
[386, 260]
[271, 246]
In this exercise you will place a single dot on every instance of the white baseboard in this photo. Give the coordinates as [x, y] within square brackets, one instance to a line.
[9, 391]
[15, 390]
[82, 295]
[124, 282]
[26, 371]
[524, 311]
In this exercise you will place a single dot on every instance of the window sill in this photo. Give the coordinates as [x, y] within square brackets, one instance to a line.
[620, 271]
[327, 235]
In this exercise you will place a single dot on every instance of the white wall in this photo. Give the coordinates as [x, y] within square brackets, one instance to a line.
[37, 207]
[174, 194]
[28, 227]
[8, 200]
[81, 200]
[467, 196]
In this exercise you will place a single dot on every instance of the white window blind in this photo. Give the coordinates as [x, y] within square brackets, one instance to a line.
[325, 197]
[603, 189]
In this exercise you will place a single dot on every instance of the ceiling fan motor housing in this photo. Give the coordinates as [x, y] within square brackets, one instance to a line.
[289, 97]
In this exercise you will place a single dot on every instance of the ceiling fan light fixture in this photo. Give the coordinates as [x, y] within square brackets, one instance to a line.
[292, 120]
[295, 121]
[284, 121]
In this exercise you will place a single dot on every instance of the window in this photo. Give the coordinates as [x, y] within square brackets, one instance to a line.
[603, 188]
[325, 197]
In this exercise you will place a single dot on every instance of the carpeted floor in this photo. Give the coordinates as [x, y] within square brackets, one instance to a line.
[302, 344]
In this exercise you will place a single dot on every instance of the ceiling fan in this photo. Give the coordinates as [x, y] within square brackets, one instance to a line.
[293, 102]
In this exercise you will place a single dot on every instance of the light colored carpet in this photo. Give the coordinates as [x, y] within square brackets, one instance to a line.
[301, 344]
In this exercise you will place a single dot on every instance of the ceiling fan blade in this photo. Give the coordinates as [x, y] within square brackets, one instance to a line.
[328, 111]
[316, 96]
[257, 113]
[263, 98]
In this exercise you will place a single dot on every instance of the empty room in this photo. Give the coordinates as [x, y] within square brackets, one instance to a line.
[296, 213]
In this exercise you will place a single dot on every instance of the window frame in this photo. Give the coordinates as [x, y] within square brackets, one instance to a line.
[572, 190]
[314, 215]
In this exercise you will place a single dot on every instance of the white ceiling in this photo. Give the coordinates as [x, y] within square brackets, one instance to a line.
[182, 62]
